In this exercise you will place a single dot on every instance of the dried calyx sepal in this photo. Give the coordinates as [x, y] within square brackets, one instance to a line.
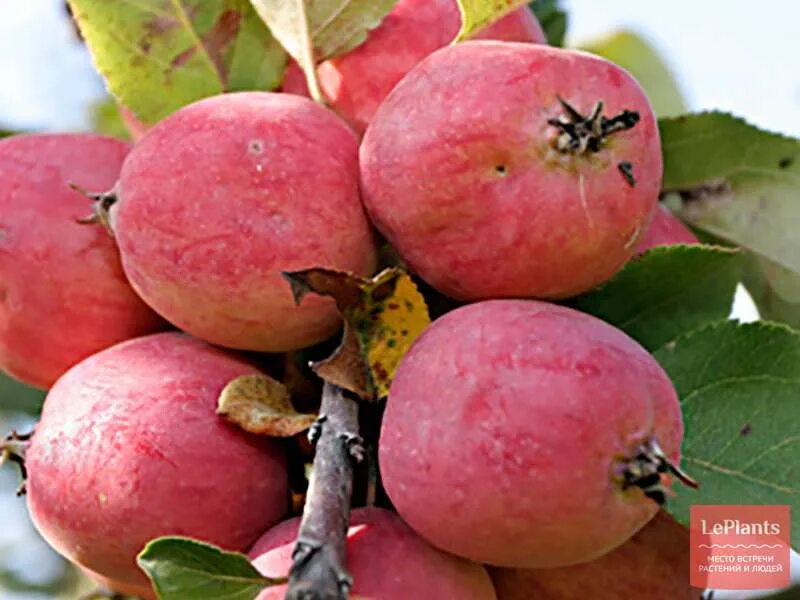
[12, 449]
[648, 470]
[581, 134]
[101, 208]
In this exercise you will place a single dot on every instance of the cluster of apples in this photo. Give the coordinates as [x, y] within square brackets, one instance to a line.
[518, 433]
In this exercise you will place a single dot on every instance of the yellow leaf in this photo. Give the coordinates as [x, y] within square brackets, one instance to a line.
[383, 316]
[261, 405]
[479, 14]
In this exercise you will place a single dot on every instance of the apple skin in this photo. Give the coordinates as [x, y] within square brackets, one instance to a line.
[505, 431]
[386, 559]
[129, 448]
[221, 197]
[63, 294]
[356, 83]
[665, 230]
[460, 172]
[653, 564]
[136, 127]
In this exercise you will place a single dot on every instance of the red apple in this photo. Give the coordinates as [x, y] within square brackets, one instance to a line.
[356, 83]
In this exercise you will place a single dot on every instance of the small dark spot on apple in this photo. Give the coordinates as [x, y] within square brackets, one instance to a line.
[626, 168]
[787, 162]
[745, 430]
[255, 147]
[501, 170]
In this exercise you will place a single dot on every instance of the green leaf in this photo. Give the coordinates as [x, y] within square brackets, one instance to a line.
[313, 31]
[553, 19]
[740, 184]
[739, 387]
[774, 289]
[159, 55]
[335, 26]
[737, 182]
[290, 23]
[340, 26]
[18, 397]
[185, 569]
[635, 54]
[107, 120]
[668, 291]
[478, 14]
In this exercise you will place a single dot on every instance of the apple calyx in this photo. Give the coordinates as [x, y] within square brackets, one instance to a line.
[649, 469]
[100, 209]
[582, 134]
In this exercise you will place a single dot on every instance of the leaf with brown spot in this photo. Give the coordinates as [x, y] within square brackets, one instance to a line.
[261, 405]
[733, 378]
[159, 55]
[383, 316]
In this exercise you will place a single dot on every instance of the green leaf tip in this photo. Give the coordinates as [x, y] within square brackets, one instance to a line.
[553, 19]
[182, 568]
[721, 116]
[479, 14]
[636, 54]
[667, 292]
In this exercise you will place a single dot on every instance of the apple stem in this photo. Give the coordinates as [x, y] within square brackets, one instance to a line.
[318, 571]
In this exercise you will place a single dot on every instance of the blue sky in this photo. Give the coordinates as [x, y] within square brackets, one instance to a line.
[736, 55]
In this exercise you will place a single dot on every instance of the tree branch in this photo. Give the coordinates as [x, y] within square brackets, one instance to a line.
[318, 571]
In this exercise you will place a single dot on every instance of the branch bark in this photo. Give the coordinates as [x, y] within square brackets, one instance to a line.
[318, 571]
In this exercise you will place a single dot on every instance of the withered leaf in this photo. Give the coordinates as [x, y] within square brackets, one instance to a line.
[261, 405]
